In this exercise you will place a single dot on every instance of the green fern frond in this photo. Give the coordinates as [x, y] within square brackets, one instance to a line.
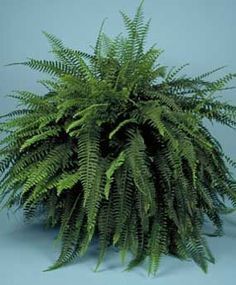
[115, 164]
[88, 155]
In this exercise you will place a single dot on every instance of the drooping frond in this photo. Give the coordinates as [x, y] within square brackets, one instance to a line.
[88, 155]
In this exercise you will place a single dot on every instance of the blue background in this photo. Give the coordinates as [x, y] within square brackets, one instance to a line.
[199, 32]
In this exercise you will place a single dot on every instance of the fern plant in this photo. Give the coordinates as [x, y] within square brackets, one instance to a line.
[117, 148]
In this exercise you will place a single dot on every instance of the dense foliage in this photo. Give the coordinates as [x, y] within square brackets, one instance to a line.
[117, 148]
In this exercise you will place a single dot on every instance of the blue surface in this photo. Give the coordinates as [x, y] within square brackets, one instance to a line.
[26, 250]
[199, 32]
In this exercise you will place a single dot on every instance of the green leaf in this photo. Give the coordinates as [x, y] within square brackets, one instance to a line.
[115, 164]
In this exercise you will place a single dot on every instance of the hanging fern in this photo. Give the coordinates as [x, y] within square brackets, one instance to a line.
[117, 149]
